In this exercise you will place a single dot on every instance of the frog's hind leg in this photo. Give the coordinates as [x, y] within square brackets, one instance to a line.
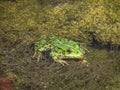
[37, 54]
[39, 57]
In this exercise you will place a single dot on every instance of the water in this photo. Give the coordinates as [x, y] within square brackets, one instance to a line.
[103, 72]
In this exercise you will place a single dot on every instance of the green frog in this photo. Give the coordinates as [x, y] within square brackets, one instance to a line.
[60, 49]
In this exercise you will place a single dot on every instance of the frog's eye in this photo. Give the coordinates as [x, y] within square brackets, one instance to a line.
[69, 50]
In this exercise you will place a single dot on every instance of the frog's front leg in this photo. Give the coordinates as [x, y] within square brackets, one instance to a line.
[56, 59]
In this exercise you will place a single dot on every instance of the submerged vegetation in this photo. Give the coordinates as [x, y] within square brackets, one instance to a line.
[22, 22]
[79, 20]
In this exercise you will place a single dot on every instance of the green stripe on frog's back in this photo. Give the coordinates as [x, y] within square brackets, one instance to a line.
[65, 44]
[60, 43]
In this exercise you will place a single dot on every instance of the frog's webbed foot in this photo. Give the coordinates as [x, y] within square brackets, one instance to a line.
[61, 61]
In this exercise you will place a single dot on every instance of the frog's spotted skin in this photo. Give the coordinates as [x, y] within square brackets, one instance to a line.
[61, 49]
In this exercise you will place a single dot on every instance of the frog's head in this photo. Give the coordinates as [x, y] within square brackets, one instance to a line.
[73, 53]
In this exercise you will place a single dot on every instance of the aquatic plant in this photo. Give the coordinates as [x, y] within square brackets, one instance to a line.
[80, 20]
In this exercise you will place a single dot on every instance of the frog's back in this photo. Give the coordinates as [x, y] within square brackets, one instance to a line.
[62, 43]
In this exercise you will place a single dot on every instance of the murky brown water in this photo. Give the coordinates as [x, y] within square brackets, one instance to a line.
[101, 74]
